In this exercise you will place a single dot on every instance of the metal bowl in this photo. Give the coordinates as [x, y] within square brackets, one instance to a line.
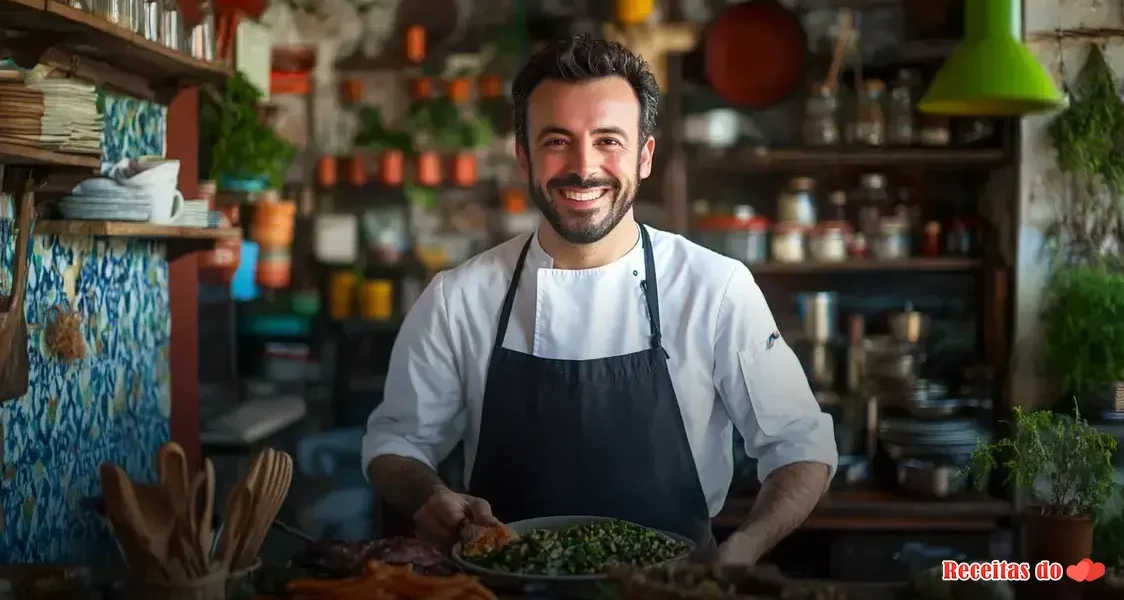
[558, 522]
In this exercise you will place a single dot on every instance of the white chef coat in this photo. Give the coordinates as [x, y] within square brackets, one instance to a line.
[728, 364]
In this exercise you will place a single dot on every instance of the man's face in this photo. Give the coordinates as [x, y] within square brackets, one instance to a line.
[584, 159]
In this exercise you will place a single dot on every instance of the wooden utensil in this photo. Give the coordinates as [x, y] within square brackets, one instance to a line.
[128, 524]
[239, 510]
[274, 490]
[171, 463]
[206, 517]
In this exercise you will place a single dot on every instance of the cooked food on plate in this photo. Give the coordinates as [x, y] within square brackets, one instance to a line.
[381, 581]
[479, 540]
[584, 549]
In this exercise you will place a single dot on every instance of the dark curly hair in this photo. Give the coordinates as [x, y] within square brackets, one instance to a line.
[578, 59]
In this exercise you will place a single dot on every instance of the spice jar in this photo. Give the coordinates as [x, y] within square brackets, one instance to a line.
[788, 242]
[892, 242]
[821, 113]
[796, 203]
[829, 243]
[931, 240]
[870, 126]
[872, 203]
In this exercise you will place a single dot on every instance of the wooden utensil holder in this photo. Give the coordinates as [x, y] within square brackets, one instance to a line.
[211, 587]
[236, 578]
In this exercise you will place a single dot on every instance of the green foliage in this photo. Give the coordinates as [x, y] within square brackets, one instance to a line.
[1108, 540]
[437, 122]
[1087, 134]
[1063, 453]
[1084, 328]
[243, 146]
[374, 135]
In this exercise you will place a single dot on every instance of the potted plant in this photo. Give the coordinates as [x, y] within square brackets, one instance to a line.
[434, 125]
[473, 133]
[246, 155]
[1085, 333]
[1066, 466]
[388, 144]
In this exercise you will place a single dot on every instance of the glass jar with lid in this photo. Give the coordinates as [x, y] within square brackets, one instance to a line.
[796, 204]
[821, 117]
[788, 242]
[901, 122]
[872, 202]
[870, 122]
[743, 235]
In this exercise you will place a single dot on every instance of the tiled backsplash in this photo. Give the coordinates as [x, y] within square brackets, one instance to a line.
[111, 406]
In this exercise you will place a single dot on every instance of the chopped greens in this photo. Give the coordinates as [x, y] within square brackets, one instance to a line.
[585, 549]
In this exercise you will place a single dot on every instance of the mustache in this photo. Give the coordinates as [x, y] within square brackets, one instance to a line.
[574, 181]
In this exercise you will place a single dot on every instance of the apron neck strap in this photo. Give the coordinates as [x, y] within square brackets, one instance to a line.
[651, 292]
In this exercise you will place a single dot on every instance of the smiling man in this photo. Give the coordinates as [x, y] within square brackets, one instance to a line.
[598, 366]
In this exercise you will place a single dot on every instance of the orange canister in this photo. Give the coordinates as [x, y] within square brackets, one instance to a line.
[274, 269]
[272, 224]
[376, 300]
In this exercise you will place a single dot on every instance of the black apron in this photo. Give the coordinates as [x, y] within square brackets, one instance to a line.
[601, 437]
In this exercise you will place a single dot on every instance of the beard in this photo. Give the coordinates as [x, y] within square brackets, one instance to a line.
[591, 226]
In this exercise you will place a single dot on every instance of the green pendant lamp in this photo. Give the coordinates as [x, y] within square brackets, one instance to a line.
[991, 73]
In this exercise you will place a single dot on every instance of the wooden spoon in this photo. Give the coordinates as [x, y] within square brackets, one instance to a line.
[207, 514]
[172, 465]
[157, 510]
[252, 528]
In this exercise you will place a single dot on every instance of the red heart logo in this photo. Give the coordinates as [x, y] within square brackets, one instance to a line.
[1078, 572]
[1096, 571]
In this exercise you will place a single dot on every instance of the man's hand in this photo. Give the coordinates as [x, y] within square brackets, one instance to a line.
[439, 521]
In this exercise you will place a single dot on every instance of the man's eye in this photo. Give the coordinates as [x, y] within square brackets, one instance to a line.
[555, 142]
[611, 142]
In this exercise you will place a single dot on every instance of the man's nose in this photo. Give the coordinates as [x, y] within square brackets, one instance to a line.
[586, 161]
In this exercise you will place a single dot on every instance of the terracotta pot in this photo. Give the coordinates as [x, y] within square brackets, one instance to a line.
[464, 168]
[491, 86]
[327, 171]
[421, 88]
[415, 43]
[459, 90]
[357, 169]
[352, 90]
[513, 200]
[392, 164]
[274, 271]
[1064, 540]
[272, 224]
[427, 168]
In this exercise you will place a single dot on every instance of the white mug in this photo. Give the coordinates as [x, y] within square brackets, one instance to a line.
[164, 210]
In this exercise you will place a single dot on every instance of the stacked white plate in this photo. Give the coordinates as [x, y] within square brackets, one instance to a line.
[122, 204]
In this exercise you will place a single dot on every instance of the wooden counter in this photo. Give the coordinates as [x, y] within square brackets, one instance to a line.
[870, 510]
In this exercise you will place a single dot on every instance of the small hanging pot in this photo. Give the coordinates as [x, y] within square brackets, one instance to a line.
[427, 168]
[14, 366]
[357, 169]
[464, 168]
[391, 167]
[327, 172]
[421, 88]
[460, 90]
[415, 44]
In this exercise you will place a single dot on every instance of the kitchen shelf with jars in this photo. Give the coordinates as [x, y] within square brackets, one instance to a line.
[140, 48]
[859, 219]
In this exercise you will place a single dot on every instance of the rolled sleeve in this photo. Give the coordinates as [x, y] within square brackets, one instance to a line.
[421, 416]
[763, 386]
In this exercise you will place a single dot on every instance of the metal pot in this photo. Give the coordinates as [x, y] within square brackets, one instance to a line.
[931, 479]
[909, 326]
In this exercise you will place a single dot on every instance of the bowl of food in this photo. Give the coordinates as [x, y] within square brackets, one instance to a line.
[569, 549]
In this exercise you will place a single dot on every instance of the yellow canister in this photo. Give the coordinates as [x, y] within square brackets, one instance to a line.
[634, 12]
[341, 294]
[376, 300]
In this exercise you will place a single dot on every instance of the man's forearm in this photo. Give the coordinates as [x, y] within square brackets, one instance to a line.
[405, 483]
[788, 495]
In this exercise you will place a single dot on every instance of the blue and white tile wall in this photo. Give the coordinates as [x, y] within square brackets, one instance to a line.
[112, 406]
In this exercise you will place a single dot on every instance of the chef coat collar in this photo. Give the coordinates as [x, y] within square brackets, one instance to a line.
[634, 260]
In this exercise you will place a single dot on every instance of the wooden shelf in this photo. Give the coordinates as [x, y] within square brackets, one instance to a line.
[795, 159]
[869, 510]
[135, 230]
[96, 50]
[941, 264]
[17, 154]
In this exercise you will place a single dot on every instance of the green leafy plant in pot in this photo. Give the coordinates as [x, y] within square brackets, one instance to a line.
[471, 134]
[390, 145]
[246, 155]
[432, 124]
[1066, 466]
[1084, 333]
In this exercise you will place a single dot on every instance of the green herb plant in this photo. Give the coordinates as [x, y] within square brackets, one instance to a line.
[1083, 323]
[374, 135]
[1063, 463]
[243, 146]
[1087, 137]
